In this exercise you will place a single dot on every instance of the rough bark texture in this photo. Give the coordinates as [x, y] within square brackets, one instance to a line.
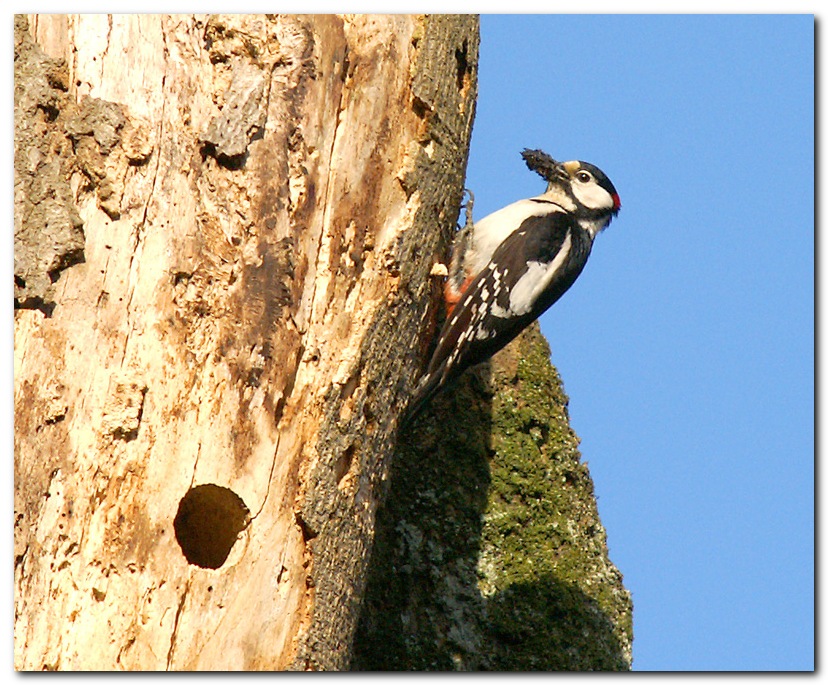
[489, 553]
[48, 235]
[224, 228]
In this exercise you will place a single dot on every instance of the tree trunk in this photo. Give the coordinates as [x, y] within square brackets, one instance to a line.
[489, 552]
[224, 229]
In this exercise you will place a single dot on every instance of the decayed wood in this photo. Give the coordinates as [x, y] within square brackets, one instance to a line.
[262, 199]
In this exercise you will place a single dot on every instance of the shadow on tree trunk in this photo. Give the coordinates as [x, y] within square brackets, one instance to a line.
[488, 535]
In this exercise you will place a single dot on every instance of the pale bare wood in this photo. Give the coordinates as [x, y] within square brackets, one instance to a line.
[252, 320]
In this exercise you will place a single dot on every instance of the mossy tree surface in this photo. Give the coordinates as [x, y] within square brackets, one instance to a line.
[490, 554]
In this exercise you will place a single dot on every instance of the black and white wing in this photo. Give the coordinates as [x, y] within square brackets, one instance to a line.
[527, 273]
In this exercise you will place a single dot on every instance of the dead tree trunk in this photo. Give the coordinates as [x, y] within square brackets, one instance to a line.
[224, 228]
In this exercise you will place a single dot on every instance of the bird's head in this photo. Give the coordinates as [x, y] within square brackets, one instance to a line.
[583, 184]
[589, 187]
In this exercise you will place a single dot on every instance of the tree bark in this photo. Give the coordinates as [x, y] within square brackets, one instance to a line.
[489, 552]
[224, 229]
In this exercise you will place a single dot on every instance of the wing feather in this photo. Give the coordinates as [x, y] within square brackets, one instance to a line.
[542, 258]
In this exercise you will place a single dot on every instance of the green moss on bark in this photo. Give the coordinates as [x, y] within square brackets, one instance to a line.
[554, 596]
[489, 552]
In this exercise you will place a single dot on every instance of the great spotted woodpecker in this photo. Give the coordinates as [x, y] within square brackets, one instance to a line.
[510, 267]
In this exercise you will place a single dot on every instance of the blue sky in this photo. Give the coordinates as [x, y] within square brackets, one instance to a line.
[687, 345]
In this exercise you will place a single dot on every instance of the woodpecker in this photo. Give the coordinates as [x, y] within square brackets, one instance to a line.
[513, 265]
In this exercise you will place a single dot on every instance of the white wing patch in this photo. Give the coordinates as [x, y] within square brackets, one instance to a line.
[493, 229]
[537, 278]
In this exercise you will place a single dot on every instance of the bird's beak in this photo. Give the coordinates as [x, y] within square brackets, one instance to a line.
[569, 168]
[564, 171]
[559, 173]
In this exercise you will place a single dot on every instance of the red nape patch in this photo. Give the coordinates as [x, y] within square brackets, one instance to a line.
[616, 200]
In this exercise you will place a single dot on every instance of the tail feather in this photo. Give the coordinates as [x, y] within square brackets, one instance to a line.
[429, 385]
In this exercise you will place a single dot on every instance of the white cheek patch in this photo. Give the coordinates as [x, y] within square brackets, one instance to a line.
[592, 196]
[537, 278]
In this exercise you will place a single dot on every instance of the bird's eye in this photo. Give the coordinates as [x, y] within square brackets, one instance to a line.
[584, 176]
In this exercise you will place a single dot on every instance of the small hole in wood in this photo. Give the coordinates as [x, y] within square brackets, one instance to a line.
[208, 523]
[462, 57]
[344, 463]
